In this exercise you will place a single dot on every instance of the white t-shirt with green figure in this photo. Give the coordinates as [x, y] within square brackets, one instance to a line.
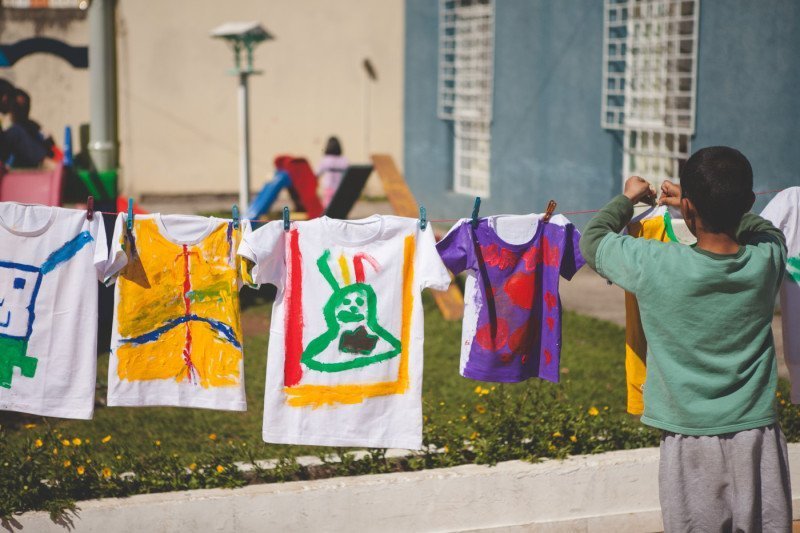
[346, 337]
[784, 212]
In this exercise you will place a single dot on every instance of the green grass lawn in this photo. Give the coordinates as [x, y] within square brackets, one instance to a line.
[592, 374]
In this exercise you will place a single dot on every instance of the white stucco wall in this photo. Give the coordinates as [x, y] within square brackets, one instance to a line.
[616, 491]
[177, 106]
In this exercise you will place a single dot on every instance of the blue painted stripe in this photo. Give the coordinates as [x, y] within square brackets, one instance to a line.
[224, 329]
[67, 251]
[18, 266]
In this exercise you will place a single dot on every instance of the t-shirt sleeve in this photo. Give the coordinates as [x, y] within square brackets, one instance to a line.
[98, 230]
[571, 260]
[117, 257]
[456, 247]
[264, 249]
[622, 259]
[431, 270]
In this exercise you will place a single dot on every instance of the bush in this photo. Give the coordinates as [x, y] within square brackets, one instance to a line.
[50, 471]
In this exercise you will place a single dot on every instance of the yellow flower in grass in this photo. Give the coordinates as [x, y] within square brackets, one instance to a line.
[557, 434]
[213, 436]
[67, 463]
[106, 472]
[193, 467]
[65, 442]
[481, 409]
[593, 411]
[474, 435]
[38, 443]
[55, 451]
[81, 470]
[30, 426]
[76, 441]
[157, 443]
[220, 469]
[119, 457]
[105, 439]
[573, 438]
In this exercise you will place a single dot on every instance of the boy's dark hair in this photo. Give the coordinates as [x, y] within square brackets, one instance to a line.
[333, 147]
[719, 182]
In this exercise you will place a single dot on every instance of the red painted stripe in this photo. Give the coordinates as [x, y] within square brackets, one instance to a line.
[293, 322]
[187, 305]
[358, 265]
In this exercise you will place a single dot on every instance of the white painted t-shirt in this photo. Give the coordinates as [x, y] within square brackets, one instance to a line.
[176, 336]
[345, 347]
[784, 212]
[50, 262]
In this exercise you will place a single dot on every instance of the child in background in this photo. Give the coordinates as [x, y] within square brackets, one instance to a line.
[331, 169]
[711, 368]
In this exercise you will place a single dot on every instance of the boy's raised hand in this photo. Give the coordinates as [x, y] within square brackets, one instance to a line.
[670, 194]
[638, 190]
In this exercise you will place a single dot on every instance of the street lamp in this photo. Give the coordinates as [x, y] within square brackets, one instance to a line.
[243, 38]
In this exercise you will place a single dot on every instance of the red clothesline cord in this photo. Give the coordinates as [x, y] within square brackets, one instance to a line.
[457, 219]
[586, 211]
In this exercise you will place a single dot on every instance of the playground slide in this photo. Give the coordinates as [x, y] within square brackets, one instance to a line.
[268, 194]
[304, 183]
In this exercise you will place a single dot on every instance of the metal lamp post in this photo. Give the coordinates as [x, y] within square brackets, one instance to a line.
[243, 38]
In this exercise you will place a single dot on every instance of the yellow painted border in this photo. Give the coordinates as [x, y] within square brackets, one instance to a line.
[318, 395]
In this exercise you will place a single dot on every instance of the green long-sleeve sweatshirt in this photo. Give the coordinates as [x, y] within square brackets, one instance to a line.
[711, 365]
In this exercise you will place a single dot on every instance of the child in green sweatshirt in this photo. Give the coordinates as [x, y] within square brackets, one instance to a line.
[711, 369]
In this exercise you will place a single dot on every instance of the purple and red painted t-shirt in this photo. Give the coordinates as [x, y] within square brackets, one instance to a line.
[512, 316]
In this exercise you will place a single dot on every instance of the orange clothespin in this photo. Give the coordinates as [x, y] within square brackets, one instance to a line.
[551, 207]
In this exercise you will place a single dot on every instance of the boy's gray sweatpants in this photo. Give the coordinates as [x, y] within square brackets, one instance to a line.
[733, 482]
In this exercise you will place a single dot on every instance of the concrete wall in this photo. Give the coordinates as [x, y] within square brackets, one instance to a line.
[615, 491]
[178, 121]
[748, 86]
[546, 136]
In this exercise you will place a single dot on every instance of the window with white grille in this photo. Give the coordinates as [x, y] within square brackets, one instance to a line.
[466, 71]
[649, 82]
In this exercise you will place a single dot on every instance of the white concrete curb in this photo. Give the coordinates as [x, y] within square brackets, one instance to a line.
[616, 491]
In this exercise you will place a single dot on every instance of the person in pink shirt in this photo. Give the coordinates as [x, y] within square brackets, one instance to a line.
[331, 169]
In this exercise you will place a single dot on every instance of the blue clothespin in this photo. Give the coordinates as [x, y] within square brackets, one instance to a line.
[423, 218]
[475, 211]
[130, 214]
[235, 216]
[285, 218]
[67, 147]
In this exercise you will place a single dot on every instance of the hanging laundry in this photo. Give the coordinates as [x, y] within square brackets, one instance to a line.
[665, 225]
[784, 212]
[176, 337]
[50, 262]
[512, 318]
[345, 346]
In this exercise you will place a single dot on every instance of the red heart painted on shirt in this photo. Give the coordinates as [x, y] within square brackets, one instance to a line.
[521, 341]
[484, 335]
[521, 288]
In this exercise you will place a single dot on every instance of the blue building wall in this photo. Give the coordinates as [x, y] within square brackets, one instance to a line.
[546, 136]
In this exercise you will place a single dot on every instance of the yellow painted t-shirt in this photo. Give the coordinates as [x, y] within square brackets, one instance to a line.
[177, 337]
[654, 224]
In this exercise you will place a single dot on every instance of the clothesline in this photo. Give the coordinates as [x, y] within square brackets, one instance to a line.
[588, 211]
